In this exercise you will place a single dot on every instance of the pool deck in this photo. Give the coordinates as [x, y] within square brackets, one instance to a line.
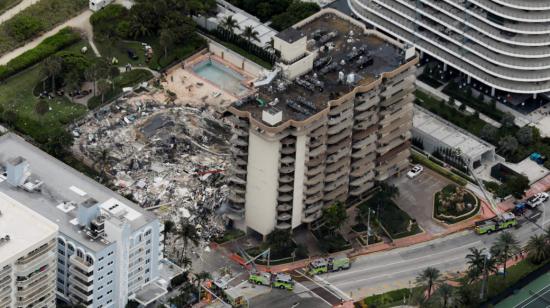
[194, 90]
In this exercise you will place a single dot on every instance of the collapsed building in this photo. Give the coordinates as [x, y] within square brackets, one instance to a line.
[165, 156]
[333, 122]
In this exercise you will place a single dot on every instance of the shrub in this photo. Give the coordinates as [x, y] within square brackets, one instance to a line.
[21, 28]
[65, 37]
[108, 22]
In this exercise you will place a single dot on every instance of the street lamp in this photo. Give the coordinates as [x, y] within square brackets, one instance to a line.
[368, 225]
[484, 285]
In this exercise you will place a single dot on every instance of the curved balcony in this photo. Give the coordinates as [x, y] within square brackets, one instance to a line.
[340, 108]
[284, 197]
[312, 199]
[314, 179]
[284, 216]
[283, 226]
[357, 191]
[363, 105]
[237, 180]
[315, 171]
[285, 188]
[288, 140]
[235, 197]
[313, 189]
[239, 141]
[313, 208]
[335, 119]
[288, 150]
[284, 207]
[336, 194]
[286, 169]
[287, 159]
[318, 132]
[286, 179]
[360, 181]
[318, 151]
[311, 218]
[315, 161]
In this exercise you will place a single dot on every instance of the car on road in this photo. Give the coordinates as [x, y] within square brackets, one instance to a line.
[537, 199]
[415, 171]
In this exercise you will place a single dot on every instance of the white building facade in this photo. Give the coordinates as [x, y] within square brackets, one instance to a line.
[109, 250]
[28, 260]
[504, 44]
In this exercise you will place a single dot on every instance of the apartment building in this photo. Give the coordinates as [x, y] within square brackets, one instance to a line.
[108, 249]
[504, 44]
[28, 261]
[335, 120]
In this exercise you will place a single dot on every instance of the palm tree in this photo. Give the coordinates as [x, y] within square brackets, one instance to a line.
[429, 278]
[166, 40]
[103, 85]
[188, 233]
[199, 278]
[475, 260]
[445, 292]
[51, 67]
[505, 247]
[230, 24]
[538, 248]
[250, 34]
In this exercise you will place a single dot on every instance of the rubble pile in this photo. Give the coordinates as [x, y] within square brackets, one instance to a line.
[165, 156]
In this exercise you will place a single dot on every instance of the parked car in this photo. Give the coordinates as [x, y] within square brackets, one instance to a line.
[131, 54]
[537, 199]
[415, 171]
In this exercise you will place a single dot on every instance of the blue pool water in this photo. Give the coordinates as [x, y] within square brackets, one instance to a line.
[220, 75]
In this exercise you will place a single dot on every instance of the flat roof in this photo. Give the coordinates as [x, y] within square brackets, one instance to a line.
[449, 134]
[62, 190]
[24, 227]
[343, 47]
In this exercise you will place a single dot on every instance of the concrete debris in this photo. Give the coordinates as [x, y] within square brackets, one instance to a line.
[167, 157]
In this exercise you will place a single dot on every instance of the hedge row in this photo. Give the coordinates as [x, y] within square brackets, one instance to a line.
[62, 39]
[419, 158]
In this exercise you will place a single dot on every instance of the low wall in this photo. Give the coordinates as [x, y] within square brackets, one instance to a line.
[234, 58]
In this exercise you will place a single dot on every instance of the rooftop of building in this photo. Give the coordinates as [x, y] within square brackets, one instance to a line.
[348, 56]
[24, 228]
[62, 189]
[449, 134]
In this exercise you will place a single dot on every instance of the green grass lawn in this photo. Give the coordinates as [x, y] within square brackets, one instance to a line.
[126, 79]
[16, 95]
[392, 218]
[119, 49]
[8, 4]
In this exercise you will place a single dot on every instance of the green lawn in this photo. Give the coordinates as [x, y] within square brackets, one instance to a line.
[16, 95]
[392, 218]
[119, 49]
[8, 4]
[126, 79]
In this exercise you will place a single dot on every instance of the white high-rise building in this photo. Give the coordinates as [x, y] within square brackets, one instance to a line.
[109, 250]
[28, 260]
[504, 44]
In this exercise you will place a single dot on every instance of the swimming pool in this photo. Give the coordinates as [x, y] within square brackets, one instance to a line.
[222, 76]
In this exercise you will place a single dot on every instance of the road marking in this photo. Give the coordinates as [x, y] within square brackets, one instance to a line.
[399, 272]
[333, 275]
[313, 293]
[334, 287]
[316, 283]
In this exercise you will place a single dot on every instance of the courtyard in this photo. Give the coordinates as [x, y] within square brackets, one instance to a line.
[416, 197]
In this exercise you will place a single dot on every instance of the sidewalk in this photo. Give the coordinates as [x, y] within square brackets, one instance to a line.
[16, 9]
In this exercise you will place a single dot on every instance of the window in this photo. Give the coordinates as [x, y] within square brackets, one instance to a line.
[100, 259]
[99, 288]
[110, 272]
[80, 253]
[60, 280]
[61, 242]
[61, 252]
[99, 297]
[60, 271]
[109, 301]
[89, 259]
[60, 261]
[148, 232]
[148, 242]
[110, 291]
[110, 281]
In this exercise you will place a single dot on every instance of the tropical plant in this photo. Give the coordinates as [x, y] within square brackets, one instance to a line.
[445, 292]
[505, 247]
[52, 67]
[429, 278]
[166, 40]
[230, 24]
[538, 248]
[103, 85]
[334, 216]
[508, 144]
[188, 234]
[250, 34]
[280, 242]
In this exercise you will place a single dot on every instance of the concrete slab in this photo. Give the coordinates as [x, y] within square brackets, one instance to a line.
[416, 198]
[530, 168]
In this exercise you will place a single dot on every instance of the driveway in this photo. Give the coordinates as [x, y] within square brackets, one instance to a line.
[416, 197]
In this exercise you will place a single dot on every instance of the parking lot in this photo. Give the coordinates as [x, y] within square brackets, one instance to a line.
[416, 197]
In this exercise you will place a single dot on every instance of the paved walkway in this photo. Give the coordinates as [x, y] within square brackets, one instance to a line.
[81, 22]
[426, 88]
[16, 9]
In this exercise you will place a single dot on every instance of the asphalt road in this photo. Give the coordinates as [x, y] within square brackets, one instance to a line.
[384, 271]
